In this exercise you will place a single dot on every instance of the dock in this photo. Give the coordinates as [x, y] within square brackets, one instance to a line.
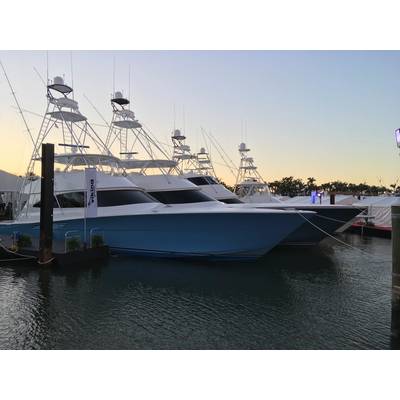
[76, 258]
[371, 230]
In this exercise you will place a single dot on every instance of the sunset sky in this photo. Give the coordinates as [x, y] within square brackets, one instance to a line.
[328, 114]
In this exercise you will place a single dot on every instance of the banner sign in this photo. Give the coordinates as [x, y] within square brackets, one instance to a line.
[91, 194]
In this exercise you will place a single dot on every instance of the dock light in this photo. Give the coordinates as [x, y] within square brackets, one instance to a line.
[397, 136]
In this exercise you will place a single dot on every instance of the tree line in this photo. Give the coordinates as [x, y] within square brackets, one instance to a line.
[290, 186]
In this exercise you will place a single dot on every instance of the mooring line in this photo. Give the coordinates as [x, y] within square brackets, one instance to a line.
[341, 241]
[22, 256]
[333, 237]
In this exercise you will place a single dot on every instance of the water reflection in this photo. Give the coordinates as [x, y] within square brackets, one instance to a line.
[324, 297]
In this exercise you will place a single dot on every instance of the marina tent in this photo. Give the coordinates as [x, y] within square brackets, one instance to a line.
[9, 183]
[9, 187]
[380, 208]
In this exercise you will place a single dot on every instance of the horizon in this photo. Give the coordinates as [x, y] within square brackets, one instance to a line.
[330, 115]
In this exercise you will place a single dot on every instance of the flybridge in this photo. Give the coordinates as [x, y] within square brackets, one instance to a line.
[63, 120]
[249, 182]
[126, 130]
[66, 109]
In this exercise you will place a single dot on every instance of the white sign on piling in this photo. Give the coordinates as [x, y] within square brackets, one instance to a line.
[91, 194]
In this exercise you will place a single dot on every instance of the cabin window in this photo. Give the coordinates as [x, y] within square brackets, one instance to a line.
[231, 200]
[110, 198]
[70, 200]
[211, 181]
[105, 198]
[203, 180]
[198, 181]
[181, 196]
[67, 200]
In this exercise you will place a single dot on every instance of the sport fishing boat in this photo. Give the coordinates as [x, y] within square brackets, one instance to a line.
[130, 220]
[133, 222]
[251, 191]
[254, 191]
[198, 169]
[165, 187]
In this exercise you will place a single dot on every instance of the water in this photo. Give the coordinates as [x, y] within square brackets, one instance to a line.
[328, 297]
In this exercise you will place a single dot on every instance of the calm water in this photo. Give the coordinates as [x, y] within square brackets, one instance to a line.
[329, 297]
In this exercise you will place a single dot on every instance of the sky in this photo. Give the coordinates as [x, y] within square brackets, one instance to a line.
[326, 114]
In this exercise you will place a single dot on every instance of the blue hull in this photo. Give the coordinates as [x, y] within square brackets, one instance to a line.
[325, 223]
[204, 235]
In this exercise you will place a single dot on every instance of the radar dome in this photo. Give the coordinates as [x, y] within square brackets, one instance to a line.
[202, 150]
[177, 132]
[242, 147]
[118, 95]
[58, 80]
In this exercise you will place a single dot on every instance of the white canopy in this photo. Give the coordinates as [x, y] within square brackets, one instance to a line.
[79, 159]
[140, 164]
[380, 208]
[9, 182]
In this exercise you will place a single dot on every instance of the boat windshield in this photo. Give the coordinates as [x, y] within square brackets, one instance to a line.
[202, 180]
[105, 198]
[181, 196]
[231, 200]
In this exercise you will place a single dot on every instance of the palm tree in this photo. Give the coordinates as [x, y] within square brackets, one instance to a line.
[310, 185]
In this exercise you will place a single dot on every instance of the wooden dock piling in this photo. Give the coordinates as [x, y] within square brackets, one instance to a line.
[46, 204]
[395, 329]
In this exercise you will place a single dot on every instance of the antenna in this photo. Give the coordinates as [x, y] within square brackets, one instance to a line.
[129, 85]
[174, 117]
[231, 165]
[113, 75]
[72, 74]
[184, 120]
[40, 76]
[97, 111]
[17, 103]
[47, 67]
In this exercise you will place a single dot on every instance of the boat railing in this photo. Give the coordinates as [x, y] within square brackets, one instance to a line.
[71, 235]
[96, 232]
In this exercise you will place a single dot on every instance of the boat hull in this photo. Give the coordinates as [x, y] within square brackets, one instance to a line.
[189, 235]
[326, 222]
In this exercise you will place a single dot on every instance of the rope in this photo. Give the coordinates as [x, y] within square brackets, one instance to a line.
[335, 238]
[22, 256]
[47, 262]
[331, 219]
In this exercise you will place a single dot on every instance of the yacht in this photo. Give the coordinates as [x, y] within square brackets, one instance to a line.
[133, 222]
[251, 191]
[165, 187]
[129, 219]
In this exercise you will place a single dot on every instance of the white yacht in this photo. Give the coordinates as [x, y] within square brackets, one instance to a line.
[130, 220]
[172, 190]
[133, 222]
[251, 191]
